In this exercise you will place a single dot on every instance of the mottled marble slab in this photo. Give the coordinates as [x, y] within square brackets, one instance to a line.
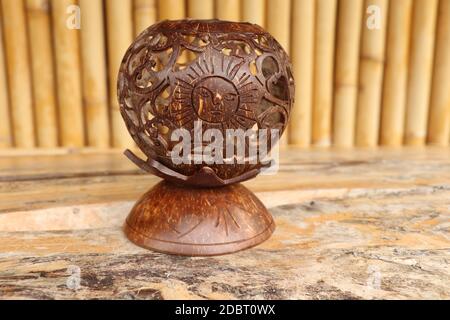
[362, 224]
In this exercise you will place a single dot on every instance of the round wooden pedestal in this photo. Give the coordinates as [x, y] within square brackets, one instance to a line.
[198, 221]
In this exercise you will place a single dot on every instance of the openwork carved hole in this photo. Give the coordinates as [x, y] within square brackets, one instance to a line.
[226, 51]
[184, 59]
[252, 67]
[128, 103]
[164, 130]
[279, 88]
[137, 59]
[262, 40]
[146, 113]
[144, 79]
[146, 139]
[164, 133]
[269, 67]
[132, 115]
[162, 101]
[161, 59]
[290, 76]
[274, 120]
[237, 48]
[202, 42]
[273, 117]
[188, 38]
[158, 42]
[264, 105]
[197, 41]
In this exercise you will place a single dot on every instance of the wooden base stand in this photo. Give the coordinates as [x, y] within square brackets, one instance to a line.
[198, 221]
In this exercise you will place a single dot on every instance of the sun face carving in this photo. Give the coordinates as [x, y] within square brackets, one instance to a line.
[215, 99]
[221, 94]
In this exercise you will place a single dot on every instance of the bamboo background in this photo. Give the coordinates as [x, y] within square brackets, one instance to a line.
[355, 86]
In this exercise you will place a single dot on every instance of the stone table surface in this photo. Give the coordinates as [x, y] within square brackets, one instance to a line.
[351, 224]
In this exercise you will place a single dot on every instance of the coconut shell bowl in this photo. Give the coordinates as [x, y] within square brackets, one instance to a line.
[179, 78]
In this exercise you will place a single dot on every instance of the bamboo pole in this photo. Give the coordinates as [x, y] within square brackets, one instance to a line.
[420, 66]
[278, 25]
[439, 121]
[279, 22]
[66, 45]
[93, 56]
[201, 9]
[254, 11]
[171, 9]
[5, 125]
[144, 15]
[323, 71]
[346, 72]
[38, 16]
[371, 67]
[396, 73]
[19, 79]
[120, 34]
[229, 10]
[302, 51]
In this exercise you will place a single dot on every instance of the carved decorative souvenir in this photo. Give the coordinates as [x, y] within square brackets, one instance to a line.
[202, 79]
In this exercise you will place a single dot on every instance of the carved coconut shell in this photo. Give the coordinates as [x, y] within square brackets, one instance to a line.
[228, 75]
